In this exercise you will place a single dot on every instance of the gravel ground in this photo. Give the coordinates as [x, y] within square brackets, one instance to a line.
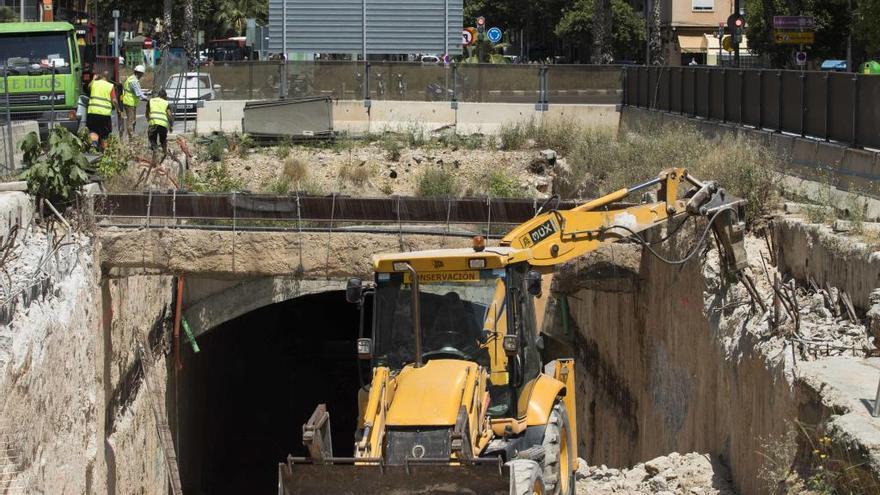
[370, 170]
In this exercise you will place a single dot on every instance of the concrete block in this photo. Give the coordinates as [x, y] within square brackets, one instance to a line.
[488, 118]
[19, 131]
[708, 128]
[803, 160]
[350, 111]
[404, 116]
[782, 143]
[760, 136]
[828, 157]
[605, 116]
[16, 208]
[221, 116]
[860, 171]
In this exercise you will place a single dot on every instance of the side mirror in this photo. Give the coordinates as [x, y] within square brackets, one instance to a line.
[217, 87]
[533, 283]
[354, 290]
[365, 348]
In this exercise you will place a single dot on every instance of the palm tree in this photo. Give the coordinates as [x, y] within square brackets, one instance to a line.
[166, 22]
[189, 29]
[232, 15]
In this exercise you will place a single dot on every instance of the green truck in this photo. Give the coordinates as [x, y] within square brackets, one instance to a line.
[41, 69]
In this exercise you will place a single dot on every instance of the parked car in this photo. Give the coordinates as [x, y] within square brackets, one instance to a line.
[187, 92]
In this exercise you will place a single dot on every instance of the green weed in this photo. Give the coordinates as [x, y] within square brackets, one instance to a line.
[437, 182]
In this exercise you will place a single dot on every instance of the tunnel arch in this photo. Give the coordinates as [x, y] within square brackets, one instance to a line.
[242, 400]
[216, 302]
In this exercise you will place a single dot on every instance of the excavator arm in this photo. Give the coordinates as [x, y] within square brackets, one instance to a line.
[557, 236]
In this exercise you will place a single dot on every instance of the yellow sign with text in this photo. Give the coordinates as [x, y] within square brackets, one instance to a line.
[794, 37]
[444, 277]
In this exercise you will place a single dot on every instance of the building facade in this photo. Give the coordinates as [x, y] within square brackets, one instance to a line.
[690, 29]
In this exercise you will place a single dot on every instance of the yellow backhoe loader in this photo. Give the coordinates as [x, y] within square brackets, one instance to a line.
[460, 399]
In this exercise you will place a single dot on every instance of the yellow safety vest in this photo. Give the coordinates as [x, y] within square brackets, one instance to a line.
[159, 112]
[129, 99]
[99, 98]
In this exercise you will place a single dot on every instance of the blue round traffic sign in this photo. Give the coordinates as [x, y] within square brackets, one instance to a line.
[494, 34]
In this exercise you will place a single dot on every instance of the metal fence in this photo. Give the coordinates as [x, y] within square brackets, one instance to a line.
[411, 81]
[839, 107]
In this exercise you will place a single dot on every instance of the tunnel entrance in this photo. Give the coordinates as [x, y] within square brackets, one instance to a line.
[244, 397]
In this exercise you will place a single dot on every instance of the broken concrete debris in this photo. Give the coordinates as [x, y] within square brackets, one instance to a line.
[693, 474]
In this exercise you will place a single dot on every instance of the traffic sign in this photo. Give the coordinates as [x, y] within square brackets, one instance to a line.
[800, 58]
[727, 43]
[470, 38]
[481, 24]
[494, 34]
[467, 37]
[794, 22]
[794, 37]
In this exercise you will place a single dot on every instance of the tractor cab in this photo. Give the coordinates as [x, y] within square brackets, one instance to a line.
[473, 305]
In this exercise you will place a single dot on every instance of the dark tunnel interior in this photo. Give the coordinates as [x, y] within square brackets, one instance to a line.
[243, 399]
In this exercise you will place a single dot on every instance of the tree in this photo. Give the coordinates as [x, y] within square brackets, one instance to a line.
[7, 15]
[627, 32]
[833, 24]
[866, 29]
[601, 52]
[232, 15]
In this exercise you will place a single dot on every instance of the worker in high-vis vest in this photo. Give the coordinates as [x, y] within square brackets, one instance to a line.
[159, 121]
[102, 101]
[132, 95]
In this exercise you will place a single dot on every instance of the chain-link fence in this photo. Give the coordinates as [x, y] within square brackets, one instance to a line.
[413, 81]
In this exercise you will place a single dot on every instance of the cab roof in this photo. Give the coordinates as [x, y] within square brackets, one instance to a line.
[34, 27]
[450, 259]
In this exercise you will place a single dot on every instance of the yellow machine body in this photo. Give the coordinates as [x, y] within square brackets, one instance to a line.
[405, 405]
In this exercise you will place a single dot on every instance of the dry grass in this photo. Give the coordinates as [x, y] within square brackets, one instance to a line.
[602, 161]
[356, 175]
[295, 170]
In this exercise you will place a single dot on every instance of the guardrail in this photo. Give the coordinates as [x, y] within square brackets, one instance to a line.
[413, 81]
[291, 212]
[840, 107]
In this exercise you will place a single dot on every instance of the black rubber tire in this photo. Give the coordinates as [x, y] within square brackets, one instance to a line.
[557, 429]
[526, 476]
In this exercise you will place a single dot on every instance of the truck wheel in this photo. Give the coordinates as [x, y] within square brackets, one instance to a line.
[558, 456]
[526, 477]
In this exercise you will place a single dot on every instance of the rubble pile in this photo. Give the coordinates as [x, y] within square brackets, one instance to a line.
[686, 474]
[814, 322]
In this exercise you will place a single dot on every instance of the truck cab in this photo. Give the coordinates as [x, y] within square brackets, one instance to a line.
[41, 72]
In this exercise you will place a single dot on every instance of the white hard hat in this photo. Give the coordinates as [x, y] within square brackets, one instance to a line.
[140, 68]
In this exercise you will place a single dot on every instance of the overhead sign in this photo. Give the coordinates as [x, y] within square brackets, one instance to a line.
[794, 37]
[494, 34]
[466, 37]
[794, 22]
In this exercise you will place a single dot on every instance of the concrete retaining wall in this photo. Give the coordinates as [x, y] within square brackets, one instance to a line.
[353, 117]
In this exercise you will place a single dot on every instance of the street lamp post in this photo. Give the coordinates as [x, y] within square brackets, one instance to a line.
[116, 34]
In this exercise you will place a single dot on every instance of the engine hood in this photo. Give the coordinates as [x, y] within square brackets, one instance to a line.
[431, 395]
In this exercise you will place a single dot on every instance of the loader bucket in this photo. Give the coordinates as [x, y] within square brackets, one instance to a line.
[413, 479]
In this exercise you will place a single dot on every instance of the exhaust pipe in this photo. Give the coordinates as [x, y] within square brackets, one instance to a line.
[416, 317]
